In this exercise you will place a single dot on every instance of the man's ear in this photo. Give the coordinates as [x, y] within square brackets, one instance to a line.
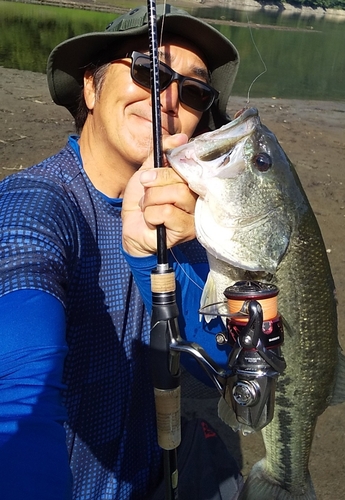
[89, 90]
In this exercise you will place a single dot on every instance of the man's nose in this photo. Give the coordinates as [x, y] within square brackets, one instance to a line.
[170, 99]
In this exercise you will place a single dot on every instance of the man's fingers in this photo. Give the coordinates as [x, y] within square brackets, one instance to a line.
[173, 141]
[179, 224]
[178, 195]
[159, 177]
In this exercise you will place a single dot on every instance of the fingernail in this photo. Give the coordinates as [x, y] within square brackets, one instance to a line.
[148, 176]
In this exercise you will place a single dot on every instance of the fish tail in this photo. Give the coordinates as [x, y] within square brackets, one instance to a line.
[339, 389]
[259, 486]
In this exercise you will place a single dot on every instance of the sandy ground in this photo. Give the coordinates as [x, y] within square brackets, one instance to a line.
[312, 134]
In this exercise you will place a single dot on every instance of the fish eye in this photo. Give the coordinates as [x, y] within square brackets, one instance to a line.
[263, 162]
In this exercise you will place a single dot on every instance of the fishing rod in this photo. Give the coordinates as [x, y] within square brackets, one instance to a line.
[165, 364]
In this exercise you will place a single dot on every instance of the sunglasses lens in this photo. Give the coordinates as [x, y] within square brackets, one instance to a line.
[165, 76]
[141, 71]
[193, 93]
[196, 95]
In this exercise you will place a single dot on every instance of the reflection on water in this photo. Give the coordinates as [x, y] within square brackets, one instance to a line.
[303, 56]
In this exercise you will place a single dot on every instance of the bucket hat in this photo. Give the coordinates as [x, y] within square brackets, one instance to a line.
[67, 61]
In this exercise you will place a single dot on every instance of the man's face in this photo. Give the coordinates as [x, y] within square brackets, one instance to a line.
[122, 113]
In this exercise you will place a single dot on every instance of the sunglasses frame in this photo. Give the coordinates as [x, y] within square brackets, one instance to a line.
[174, 76]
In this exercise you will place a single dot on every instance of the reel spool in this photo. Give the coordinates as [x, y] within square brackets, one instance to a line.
[239, 301]
[238, 294]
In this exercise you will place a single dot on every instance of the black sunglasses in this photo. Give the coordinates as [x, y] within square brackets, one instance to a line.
[194, 93]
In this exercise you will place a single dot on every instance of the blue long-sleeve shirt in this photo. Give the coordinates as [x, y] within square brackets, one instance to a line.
[76, 405]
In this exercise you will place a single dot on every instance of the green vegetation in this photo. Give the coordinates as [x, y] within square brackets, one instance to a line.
[29, 32]
[324, 4]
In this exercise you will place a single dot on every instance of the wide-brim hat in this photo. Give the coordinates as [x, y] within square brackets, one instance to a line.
[67, 62]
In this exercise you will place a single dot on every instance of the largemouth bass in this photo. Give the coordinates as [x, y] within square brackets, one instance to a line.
[255, 222]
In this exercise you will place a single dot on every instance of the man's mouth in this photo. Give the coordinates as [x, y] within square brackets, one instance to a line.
[167, 129]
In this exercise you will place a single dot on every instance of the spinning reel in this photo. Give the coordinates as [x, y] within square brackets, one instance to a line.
[254, 330]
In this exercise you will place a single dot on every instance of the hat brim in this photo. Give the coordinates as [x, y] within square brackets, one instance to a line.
[67, 62]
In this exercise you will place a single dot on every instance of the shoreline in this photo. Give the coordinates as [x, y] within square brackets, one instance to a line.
[245, 5]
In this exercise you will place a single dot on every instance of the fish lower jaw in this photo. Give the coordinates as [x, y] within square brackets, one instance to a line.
[238, 264]
[225, 250]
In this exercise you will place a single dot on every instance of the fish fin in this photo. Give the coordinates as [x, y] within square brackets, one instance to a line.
[339, 389]
[227, 414]
[209, 296]
[259, 486]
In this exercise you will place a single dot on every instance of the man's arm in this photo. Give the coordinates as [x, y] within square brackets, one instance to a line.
[33, 454]
[37, 237]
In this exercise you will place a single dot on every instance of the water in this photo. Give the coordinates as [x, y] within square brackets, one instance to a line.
[304, 55]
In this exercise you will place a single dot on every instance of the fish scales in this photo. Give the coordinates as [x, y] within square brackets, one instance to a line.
[255, 222]
[311, 353]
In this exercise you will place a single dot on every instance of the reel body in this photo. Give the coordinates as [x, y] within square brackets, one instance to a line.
[255, 333]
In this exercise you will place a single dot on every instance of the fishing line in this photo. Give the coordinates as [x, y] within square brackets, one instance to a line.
[261, 59]
[184, 271]
[162, 27]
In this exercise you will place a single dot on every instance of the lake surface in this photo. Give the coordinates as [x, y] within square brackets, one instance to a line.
[302, 57]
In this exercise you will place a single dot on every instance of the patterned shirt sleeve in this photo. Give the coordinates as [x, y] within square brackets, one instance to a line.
[38, 232]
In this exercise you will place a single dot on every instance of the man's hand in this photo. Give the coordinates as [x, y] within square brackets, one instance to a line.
[156, 196]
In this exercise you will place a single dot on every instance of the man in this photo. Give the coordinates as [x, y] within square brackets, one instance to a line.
[78, 246]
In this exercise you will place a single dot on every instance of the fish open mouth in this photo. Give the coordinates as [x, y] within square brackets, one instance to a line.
[221, 141]
[243, 110]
